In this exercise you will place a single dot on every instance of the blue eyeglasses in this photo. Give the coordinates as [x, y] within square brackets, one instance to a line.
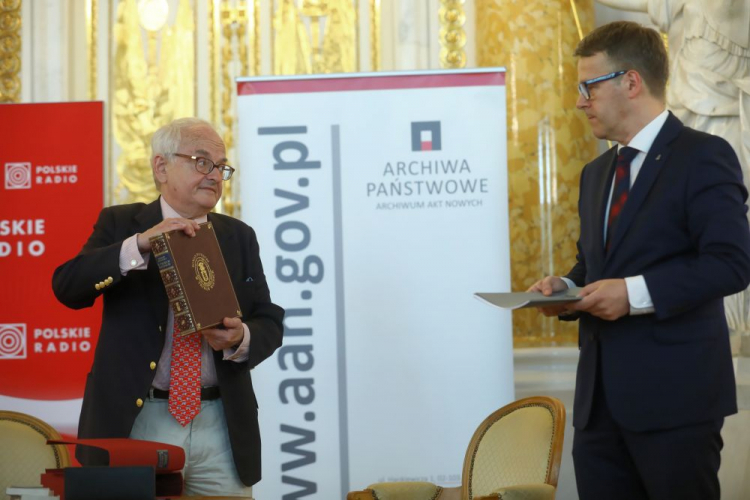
[583, 87]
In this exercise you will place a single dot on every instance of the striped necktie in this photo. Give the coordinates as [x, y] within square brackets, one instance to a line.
[621, 190]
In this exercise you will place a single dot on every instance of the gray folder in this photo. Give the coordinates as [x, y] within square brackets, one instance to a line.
[518, 300]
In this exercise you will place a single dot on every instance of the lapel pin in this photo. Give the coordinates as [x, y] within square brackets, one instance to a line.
[658, 157]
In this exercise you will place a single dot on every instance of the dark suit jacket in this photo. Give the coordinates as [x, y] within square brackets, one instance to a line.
[134, 322]
[684, 228]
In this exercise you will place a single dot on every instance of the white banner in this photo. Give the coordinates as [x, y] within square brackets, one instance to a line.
[381, 206]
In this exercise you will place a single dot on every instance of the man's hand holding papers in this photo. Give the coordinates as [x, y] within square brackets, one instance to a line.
[547, 287]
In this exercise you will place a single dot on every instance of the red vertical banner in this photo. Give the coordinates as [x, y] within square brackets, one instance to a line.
[51, 192]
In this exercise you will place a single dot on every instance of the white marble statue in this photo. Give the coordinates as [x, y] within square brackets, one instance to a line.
[709, 86]
[709, 48]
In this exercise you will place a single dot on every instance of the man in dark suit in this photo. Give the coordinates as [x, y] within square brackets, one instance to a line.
[663, 238]
[134, 371]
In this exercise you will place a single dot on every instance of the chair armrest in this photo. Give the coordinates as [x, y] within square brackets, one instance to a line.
[406, 490]
[450, 494]
[522, 492]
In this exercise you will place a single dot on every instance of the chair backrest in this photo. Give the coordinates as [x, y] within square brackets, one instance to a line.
[520, 443]
[24, 452]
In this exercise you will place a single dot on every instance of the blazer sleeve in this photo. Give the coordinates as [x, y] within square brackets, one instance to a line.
[74, 282]
[578, 273]
[718, 263]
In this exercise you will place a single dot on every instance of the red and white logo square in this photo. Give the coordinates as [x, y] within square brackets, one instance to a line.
[18, 175]
[12, 341]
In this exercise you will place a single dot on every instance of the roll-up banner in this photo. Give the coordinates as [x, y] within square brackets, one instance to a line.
[380, 203]
[52, 190]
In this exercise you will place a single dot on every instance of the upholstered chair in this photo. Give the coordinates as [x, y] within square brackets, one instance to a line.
[514, 455]
[24, 452]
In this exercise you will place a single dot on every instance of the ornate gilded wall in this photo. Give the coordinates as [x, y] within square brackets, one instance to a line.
[10, 51]
[153, 83]
[154, 56]
[548, 141]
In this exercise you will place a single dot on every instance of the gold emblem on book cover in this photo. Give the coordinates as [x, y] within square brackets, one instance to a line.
[203, 272]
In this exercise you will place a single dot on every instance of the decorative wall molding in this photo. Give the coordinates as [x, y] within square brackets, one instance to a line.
[452, 34]
[548, 142]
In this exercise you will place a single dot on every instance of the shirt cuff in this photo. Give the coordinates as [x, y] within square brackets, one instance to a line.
[568, 282]
[242, 352]
[131, 259]
[638, 296]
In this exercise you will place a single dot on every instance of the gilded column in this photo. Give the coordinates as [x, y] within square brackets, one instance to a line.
[234, 51]
[548, 141]
[10, 51]
[375, 35]
[452, 34]
[241, 34]
[234, 31]
[92, 14]
[228, 18]
[212, 36]
[254, 36]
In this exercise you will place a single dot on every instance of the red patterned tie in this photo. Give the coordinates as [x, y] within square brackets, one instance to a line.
[185, 377]
[620, 192]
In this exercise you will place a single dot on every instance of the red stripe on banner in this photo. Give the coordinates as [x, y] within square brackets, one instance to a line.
[373, 82]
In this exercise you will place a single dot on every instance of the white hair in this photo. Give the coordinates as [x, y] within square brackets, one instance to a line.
[166, 141]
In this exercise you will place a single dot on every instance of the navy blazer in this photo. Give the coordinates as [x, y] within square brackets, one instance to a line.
[685, 229]
[134, 321]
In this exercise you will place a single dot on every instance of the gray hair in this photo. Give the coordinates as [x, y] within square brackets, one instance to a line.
[166, 141]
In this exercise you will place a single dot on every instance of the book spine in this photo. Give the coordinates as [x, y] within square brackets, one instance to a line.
[183, 316]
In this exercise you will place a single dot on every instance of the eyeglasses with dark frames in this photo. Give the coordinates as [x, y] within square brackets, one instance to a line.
[206, 166]
[583, 87]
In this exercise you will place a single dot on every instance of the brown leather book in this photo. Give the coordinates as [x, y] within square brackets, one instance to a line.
[196, 279]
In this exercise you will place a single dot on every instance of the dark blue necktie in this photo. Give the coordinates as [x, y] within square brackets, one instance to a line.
[621, 190]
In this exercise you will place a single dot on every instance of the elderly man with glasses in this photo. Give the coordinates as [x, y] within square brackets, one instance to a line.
[663, 238]
[139, 364]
